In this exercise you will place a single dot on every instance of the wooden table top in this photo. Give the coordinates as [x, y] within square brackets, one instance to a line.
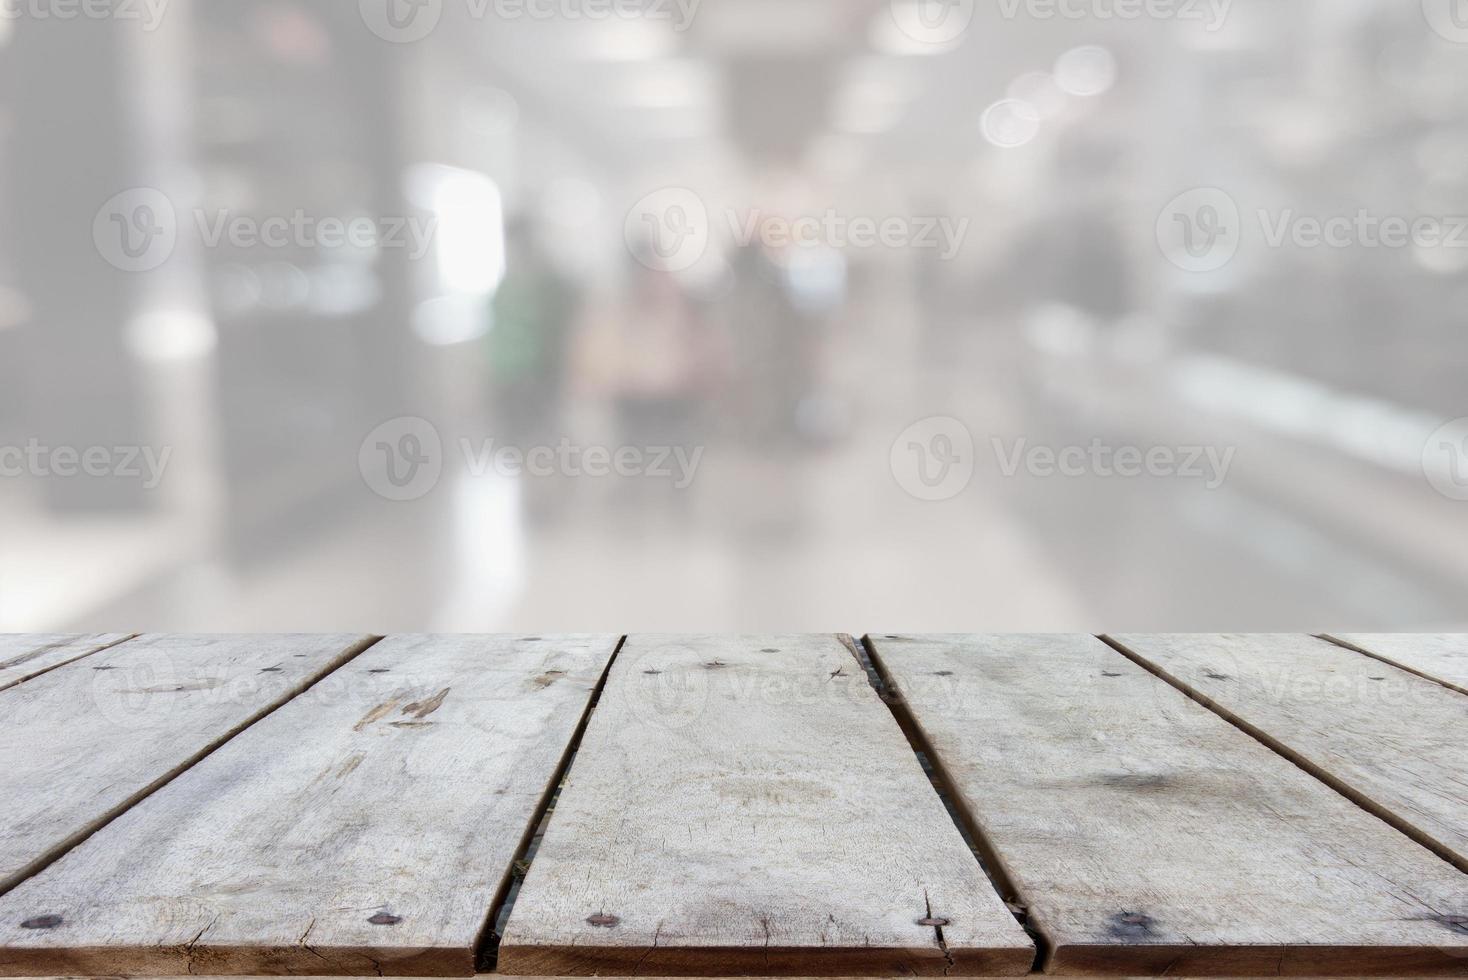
[713, 806]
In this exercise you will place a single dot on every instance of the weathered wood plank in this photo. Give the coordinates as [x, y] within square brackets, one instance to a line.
[1442, 657]
[1392, 741]
[366, 826]
[749, 806]
[1148, 836]
[24, 656]
[81, 743]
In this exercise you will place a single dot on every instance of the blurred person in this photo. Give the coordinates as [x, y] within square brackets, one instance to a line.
[532, 313]
[780, 307]
[656, 359]
[1080, 252]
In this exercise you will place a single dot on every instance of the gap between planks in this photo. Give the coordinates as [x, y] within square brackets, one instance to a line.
[64, 846]
[1391, 662]
[487, 947]
[1377, 810]
[749, 960]
[973, 833]
[942, 782]
[37, 653]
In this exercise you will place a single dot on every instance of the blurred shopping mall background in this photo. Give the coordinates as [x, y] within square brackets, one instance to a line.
[794, 314]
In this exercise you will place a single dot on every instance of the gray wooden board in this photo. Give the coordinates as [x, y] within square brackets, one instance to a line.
[1395, 742]
[81, 743]
[23, 656]
[1442, 657]
[748, 806]
[365, 827]
[1147, 835]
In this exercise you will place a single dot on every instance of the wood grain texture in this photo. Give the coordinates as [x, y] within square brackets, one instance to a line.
[364, 828]
[24, 656]
[748, 806]
[83, 742]
[1148, 836]
[1394, 742]
[1442, 657]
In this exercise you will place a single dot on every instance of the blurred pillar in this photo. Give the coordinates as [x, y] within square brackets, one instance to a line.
[72, 149]
[324, 352]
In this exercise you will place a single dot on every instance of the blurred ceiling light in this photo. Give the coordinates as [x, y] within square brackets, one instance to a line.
[343, 289]
[470, 233]
[627, 40]
[448, 320]
[1010, 123]
[1086, 71]
[171, 335]
[1038, 88]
